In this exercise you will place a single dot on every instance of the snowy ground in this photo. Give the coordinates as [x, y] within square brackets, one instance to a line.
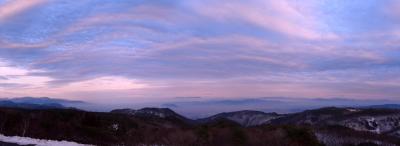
[38, 142]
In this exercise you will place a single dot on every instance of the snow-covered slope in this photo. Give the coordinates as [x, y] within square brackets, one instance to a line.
[37, 142]
[377, 124]
[379, 121]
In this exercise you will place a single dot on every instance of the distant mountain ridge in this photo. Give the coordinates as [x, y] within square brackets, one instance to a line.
[37, 103]
[11, 104]
[384, 106]
[201, 108]
[41, 100]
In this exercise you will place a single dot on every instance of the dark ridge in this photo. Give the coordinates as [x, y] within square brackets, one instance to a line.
[163, 126]
[105, 129]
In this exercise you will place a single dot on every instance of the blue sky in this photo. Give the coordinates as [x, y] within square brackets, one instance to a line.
[134, 50]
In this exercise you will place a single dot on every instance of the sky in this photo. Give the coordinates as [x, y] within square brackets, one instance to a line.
[141, 50]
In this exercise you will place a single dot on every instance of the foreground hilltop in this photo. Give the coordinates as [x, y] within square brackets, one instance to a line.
[126, 129]
[162, 126]
[163, 113]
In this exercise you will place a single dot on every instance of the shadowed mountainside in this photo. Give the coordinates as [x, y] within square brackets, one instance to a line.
[245, 118]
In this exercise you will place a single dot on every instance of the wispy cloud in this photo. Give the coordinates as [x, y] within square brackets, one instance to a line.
[280, 16]
[134, 49]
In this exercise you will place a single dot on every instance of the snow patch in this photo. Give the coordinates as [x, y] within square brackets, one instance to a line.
[115, 127]
[352, 110]
[38, 142]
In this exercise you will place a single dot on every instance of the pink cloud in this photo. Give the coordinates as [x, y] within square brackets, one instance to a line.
[17, 45]
[392, 9]
[279, 16]
[14, 7]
